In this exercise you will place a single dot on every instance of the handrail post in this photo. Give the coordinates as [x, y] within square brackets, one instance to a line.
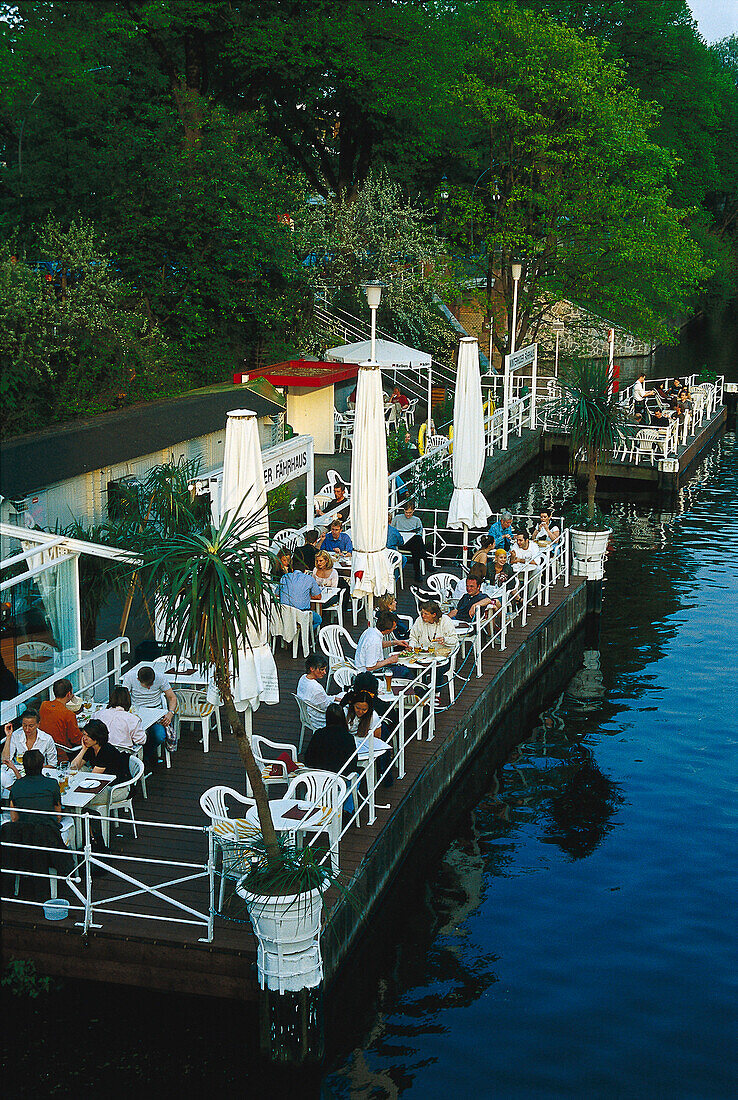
[432, 703]
[88, 874]
[211, 884]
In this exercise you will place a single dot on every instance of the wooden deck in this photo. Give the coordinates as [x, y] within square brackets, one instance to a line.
[170, 956]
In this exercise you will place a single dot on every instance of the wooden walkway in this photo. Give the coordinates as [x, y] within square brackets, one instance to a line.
[170, 956]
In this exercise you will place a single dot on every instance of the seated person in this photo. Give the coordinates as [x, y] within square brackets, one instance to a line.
[309, 548]
[335, 540]
[525, 552]
[398, 398]
[546, 529]
[146, 686]
[502, 575]
[125, 730]
[56, 719]
[340, 499]
[282, 563]
[432, 628]
[476, 569]
[400, 632]
[361, 716]
[472, 598]
[659, 419]
[686, 401]
[332, 746]
[367, 681]
[101, 756]
[395, 540]
[369, 651]
[35, 791]
[301, 590]
[672, 394]
[311, 692]
[501, 531]
[486, 547]
[326, 575]
[29, 736]
[411, 529]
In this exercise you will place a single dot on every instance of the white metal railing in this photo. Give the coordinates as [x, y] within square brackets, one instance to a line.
[114, 651]
[82, 881]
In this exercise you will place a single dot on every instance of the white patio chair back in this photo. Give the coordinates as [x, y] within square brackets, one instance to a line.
[648, 442]
[193, 706]
[331, 640]
[305, 720]
[336, 608]
[287, 538]
[119, 797]
[408, 414]
[435, 442]
[267, 752]
[233, 849]
[442, 583]
[396, 562]
[328, 791]
[334, 476]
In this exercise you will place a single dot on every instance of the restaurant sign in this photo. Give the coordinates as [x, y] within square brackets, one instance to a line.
[287, 461]
[523, 358]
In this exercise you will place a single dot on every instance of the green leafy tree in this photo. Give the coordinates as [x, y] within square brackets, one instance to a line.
[577, 188]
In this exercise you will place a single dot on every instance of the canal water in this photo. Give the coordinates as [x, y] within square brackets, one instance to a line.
[577, 937]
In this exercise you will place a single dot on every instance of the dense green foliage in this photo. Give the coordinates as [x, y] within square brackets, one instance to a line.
[177, 148]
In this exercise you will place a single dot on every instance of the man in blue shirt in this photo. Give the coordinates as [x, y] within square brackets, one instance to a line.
[502, 532]
[336, 540]
[394, 538]
[301, 590]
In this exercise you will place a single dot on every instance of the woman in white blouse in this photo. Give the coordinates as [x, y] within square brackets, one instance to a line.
[432, 628]
[125, 730]
[29, 736]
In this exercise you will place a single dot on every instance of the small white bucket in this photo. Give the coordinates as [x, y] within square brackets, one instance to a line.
[56, 909]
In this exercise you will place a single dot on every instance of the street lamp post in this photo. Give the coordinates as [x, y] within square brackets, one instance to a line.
[517, 271]
[558, 327]
[373, 292]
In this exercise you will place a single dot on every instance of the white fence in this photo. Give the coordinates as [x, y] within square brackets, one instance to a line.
[92, 907]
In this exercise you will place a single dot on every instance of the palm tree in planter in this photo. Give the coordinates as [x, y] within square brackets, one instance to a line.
[589, 410]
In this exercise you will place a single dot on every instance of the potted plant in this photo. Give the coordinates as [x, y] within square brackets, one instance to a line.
[213, 589]
[592, 414]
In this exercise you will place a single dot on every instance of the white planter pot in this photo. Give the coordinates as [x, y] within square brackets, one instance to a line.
[287, 928]
[589, 549]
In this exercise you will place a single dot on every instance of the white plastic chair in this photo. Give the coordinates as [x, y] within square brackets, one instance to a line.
[435, 442]
[193, 706]
[233, 846]
[331, 640]
[397, 563]
[442, 583]
[286, 539]
[324, 790]
[408, 414]
[118, 797]
[137, 751]
[333, 477]
[266, 754]
[305, 723]
[336, 608]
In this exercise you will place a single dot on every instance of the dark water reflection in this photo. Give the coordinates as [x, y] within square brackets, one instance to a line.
[585, 914]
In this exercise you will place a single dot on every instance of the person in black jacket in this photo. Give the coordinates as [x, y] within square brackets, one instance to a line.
[332, 746]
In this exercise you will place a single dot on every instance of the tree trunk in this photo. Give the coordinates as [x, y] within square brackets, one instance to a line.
[591, 483]
[253, 771]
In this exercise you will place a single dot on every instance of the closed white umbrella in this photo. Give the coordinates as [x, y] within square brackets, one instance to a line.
[243, 493]
[371, 573]
[468, 506]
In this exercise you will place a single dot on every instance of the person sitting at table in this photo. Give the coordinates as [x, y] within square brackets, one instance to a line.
[336, 540]
[525, 552]
[367, 681]
[476, 569]
[35, 791]
[369, 655]
[147, 686]
[486, 547]
[300, 590]
[309, 547]
[640, 393]
[100, 755]
[125, 730]
[311, 692]
[57, 719]
[340, 499]
[326, 575]
[473, 597]
[332, 746]
[672, 394]
[361, 715]
[401, 632]
[411, 529]
[29, 736]
[501, 531]
[686, 401]
[502, 576]
[658, 419]
[398, 398]
[546, 529]
[282, 563]
[432, 628]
